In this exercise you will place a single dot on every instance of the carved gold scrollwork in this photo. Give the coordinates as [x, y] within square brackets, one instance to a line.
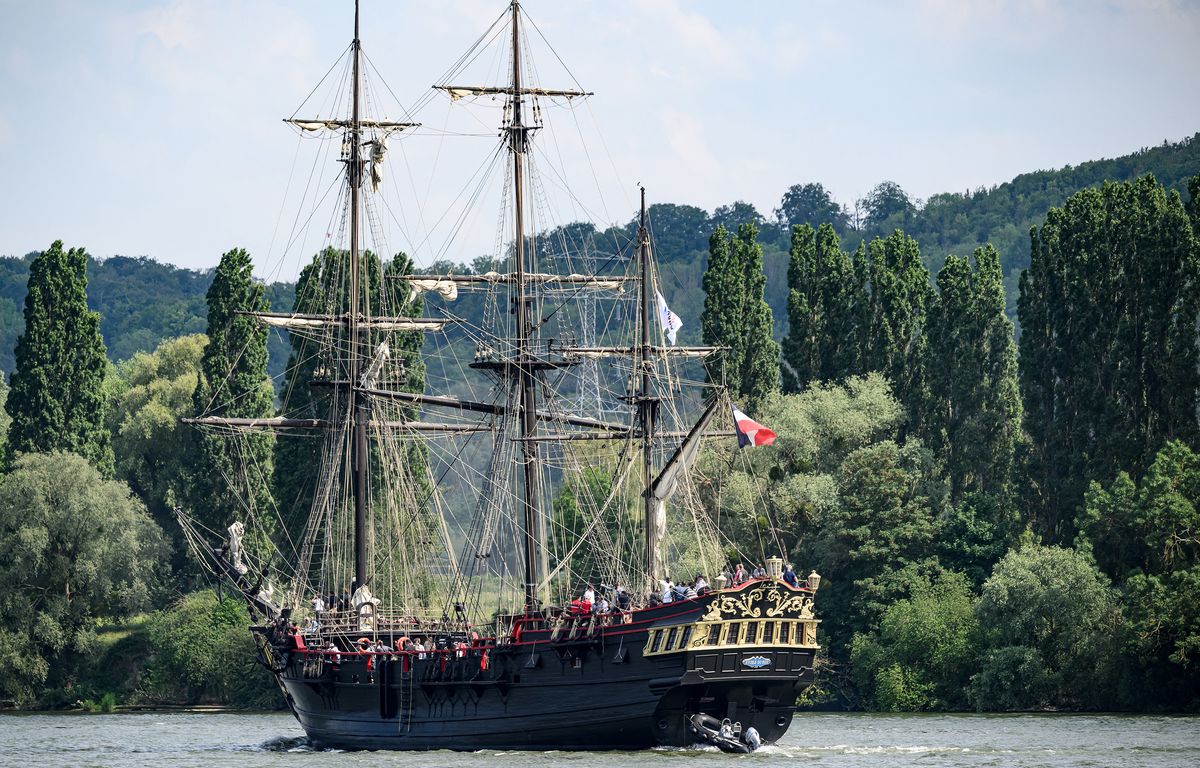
[772, 601]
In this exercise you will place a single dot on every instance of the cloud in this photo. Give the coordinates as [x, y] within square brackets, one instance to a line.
[955, 21]
[686, 136]
[688, 40]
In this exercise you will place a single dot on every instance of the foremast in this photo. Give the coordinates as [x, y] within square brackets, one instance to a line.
[354, 323]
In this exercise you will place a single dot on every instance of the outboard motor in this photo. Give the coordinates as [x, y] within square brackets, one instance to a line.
[751, 738]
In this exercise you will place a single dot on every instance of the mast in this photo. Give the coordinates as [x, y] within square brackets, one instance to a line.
[646, 403]
[526, 363]
[534, 529]
[358, 403]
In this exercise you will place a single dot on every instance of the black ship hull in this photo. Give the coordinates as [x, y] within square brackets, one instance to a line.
[581, 685]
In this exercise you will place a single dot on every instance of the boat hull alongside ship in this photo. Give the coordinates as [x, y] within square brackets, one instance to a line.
[581, 683]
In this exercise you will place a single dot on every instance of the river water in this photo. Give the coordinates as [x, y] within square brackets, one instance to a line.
[821, 739]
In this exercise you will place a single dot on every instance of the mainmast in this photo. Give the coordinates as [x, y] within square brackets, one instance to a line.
[358, 402]
[518, 135]
[526, 361]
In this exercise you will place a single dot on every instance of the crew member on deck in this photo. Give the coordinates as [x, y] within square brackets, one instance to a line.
[789, 576]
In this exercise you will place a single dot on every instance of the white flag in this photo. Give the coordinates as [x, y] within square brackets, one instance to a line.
[670, 321]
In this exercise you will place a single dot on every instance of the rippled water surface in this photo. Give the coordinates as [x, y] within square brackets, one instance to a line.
[841, 740]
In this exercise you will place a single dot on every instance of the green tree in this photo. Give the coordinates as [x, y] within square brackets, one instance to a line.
[74, 547]
[577, 504]
[722, 323]
[737, 317]
[877, 541]
[57, 397]
[232, 473]
[886, 206]
[149, 395]
[811, 205]
[1054, 630]
[734, 214]
[760, 352]
[1109, 359]
[973, 416]
[893, 324]
[825, 300]
[200, 648]
[678, 230]
[925, 650]
[1147, 536]
[770, 501]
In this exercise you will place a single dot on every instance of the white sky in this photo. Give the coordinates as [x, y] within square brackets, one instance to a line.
[152, 127]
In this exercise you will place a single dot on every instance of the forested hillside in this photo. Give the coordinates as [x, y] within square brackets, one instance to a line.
[143, 301]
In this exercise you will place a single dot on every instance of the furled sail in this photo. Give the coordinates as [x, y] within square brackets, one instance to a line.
[292, 321]
[317, 124]
[447, 285]
[667, 482]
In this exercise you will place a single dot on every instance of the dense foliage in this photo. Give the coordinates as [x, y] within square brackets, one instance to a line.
[57, 397]
[1108, 312]
[202, 653]
[736, 317]
[74, 547]
[148, 395]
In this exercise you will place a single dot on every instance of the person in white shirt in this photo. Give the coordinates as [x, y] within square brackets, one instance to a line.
[589, 594]
[668, 590]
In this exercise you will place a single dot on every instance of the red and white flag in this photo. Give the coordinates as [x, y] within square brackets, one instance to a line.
[749, 431]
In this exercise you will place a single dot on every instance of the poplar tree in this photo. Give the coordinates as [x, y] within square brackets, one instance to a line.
[824, 299]
[1108, 367]
[737, 316]
[973, 415]
[722, 323]
[760, 351]
[892, 322]
[57, 396]
[234, 471]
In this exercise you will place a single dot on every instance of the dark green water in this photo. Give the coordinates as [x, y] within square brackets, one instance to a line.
[841, 740]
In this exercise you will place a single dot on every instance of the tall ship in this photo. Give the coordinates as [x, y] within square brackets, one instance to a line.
[495, 474]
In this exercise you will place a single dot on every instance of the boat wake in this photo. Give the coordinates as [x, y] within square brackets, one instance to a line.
[286, 744]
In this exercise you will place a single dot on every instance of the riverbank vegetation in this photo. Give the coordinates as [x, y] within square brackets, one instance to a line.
[989, 454]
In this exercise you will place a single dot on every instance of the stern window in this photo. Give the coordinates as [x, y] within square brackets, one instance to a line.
[656, 643]
[671, 639]
[731, 637]
[751, 633]
[769, 632]
[785, 632]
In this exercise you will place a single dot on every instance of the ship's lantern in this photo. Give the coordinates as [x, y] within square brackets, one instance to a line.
[814, 581]
[775, 568]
